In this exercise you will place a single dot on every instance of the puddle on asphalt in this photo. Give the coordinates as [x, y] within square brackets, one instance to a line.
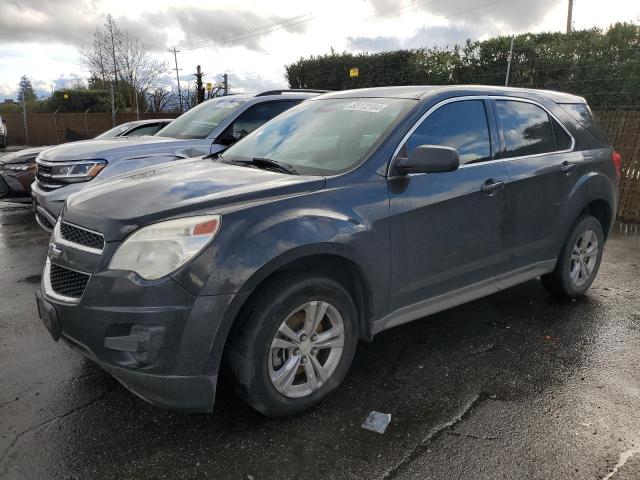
[35, 279]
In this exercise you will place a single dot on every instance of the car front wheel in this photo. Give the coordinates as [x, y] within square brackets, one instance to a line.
[296, 344]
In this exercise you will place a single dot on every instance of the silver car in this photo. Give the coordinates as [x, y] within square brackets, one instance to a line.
[206, 129]
[3, 133]
[18, 169]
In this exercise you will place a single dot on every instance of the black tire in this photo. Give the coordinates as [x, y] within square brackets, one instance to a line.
[3, 143]
[559, 282]
[248, 354]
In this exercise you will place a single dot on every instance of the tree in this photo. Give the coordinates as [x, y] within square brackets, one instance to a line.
[159, 99]
[79, 100]
[26, 92]
[119, 57]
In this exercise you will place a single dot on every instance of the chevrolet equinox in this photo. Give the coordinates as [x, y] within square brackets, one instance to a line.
[349, 214]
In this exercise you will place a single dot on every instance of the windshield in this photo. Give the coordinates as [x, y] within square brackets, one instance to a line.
[201, 120]
[115, 131]
[322, 137]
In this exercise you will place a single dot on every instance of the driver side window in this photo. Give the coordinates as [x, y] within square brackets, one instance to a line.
[461, 125]
[254, 117]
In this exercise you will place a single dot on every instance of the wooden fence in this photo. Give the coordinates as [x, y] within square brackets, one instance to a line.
[52, 129]
[623, 128]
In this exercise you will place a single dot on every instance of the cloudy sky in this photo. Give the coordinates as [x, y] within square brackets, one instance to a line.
[252, 40]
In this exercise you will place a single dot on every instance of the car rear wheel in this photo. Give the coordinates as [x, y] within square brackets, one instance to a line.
[296, 345]
[579, 260]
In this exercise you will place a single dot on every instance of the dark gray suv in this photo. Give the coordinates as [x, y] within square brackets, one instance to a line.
[349, 214]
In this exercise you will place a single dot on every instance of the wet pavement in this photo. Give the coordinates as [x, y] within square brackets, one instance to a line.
[513, 386]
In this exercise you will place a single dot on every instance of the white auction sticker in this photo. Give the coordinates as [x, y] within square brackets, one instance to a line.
[365, 107]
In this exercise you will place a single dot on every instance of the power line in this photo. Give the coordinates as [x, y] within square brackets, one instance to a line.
[252, 32]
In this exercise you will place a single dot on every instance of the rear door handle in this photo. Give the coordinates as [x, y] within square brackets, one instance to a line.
[567, 167]
[491, 186]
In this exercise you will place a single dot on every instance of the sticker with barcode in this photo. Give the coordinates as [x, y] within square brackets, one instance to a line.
[365, 107]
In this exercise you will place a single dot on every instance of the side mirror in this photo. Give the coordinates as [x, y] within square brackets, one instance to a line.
[226, 139]
[428, 159]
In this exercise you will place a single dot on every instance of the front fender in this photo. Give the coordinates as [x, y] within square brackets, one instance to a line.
[349, 221]
[272, 242]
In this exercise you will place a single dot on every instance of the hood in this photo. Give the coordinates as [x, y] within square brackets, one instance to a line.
[119, 206]
[22, 156]
[122, 147]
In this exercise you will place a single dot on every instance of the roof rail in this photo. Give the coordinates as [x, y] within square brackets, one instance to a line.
[290, 90]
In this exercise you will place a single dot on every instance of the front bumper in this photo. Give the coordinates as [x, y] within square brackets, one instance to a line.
[154, 337]
[53, 201]
[15, 186]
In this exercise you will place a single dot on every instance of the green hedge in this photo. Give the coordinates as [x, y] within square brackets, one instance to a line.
[602, 65]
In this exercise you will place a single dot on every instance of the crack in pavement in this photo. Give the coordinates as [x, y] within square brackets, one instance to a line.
[471, 436]
[51, 420]
[84, 376]
[434, 432]
[624, 457]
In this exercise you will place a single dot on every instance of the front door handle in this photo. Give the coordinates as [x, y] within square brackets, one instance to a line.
[491, 186]
[567, 167]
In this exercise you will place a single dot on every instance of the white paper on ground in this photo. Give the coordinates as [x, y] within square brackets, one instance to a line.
[377, 422]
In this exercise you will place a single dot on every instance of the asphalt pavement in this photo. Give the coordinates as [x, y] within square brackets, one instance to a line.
[514, 386]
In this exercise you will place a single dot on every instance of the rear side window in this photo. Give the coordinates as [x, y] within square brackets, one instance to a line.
[461, 125]
[527, 128]
[582, 113]
[144, 130]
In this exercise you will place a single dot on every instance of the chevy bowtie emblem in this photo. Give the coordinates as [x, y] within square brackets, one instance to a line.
[54, 251]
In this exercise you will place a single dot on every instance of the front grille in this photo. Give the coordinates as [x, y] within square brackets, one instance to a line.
[68, 283]
[81, 236]
[43, 177]
[45, 169]
[43, 220]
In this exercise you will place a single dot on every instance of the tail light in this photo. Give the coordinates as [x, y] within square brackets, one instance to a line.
[616, 158]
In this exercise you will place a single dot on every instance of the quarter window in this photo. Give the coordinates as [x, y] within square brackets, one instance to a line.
[461, 125]
[563, 140]
[527, 128]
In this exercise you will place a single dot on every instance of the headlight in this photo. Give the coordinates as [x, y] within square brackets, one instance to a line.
[19, 167]
[71, 172]
[159, 249]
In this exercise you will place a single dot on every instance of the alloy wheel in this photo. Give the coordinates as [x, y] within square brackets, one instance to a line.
[306, 349]
[584, 257]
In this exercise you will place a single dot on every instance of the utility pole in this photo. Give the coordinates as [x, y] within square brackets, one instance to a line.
[506, 80]
[24, 117]
[135, 92]
[199, 86]
[175, 57]
[113, 107]
[225, 79]
[570, 16]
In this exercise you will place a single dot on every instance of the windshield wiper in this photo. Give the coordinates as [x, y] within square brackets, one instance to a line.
[267, 162]
[258, 162]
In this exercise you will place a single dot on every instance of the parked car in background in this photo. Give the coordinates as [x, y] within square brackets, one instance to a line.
[351, 213]
[3, 133]
[18, 169]
[206, 129]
